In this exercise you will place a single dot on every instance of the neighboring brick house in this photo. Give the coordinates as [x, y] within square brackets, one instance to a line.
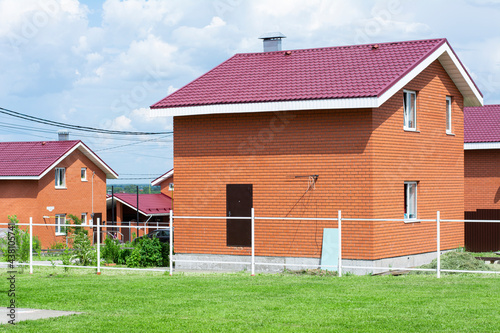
[50, 180]
[482, 177]
[166, 183]
[154, 211]
[373, 130]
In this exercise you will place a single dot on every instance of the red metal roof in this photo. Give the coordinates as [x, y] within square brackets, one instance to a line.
[31, 158]
[149, 204]
[482, 124]
[322, 73]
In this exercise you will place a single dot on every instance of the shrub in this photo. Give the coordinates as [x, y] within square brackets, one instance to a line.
[151, 252]
[148, 253]
[111, 250]
[84, 252]
[22, 239]
[57, 246]
[123, 254]
[134, 259]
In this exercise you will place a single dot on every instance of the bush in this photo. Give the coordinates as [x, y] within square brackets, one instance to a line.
[134, 259]
[123, 254]
[148, 253]
[58, 246]
[22, 239]
[111, 250]
[459, 261]
[84, 252]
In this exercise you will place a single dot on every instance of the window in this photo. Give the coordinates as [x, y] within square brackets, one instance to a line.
[83, 174]
[410, 200]
[410, 110]
[60, 222]
[448, 115]
[84, 218]
[60, 178]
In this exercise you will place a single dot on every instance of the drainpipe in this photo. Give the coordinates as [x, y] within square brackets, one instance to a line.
[92, 214]
[137, 210]
[112, 203]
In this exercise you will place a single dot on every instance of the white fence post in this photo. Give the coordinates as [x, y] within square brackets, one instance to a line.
[253, 242]
[438, 223]
[31, 245]
[98, 246]
[170, 242]
[339, 220]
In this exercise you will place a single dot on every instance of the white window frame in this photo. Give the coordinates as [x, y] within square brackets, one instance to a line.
[449, 129]
[83, 174]
[407, 110]
[84, 219]
[60, 230]
[60, 177]
[411, 214]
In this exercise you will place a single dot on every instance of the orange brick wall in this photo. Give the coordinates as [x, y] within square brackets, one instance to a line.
[30, 198]
[269, 150]
[482, 179]
[361, 161]
[428, 156]
[164, 186]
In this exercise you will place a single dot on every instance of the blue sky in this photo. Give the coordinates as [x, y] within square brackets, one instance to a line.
[102, 63]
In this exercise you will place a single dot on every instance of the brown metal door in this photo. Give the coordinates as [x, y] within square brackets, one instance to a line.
[482, 237]
[239, 201]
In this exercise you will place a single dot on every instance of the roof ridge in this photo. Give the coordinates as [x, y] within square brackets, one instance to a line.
[343, 46]
[46, 141]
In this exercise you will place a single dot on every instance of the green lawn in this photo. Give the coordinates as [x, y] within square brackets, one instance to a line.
[119, 301]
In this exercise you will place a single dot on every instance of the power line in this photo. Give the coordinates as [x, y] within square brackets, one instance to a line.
[133, 143]
[74, 127]
[22, 129]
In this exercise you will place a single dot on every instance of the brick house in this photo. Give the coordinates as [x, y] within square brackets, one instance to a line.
[48, 181]
[373, 130]
[166, 183]
[482, 176]
[154, 211]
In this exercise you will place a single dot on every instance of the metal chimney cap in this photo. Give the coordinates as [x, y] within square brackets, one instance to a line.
[63, 135]
[272, 35]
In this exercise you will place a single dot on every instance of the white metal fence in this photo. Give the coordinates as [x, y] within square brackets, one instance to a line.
[253, 259]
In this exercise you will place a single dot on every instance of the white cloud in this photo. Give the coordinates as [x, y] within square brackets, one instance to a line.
[121, 123]
[55, 65]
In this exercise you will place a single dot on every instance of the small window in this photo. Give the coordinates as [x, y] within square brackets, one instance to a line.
[84, 218]
[410, 110]
[448, 115]
[60, 222]
[83, 174]
[60, 178]
[410, 200]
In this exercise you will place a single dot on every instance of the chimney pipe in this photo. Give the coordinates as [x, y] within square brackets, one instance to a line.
[272, 41]
[63, 135]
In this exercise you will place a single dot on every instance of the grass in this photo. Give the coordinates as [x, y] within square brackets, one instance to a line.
[119, 301]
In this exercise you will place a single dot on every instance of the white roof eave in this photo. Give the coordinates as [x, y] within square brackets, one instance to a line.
[481, 145]
[162, 178]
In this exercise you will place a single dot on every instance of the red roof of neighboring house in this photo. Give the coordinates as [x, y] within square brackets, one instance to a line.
[34, 159]
[482, 124]
[310, 74]
[149, 204]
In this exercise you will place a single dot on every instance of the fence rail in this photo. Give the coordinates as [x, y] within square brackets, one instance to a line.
[253, 261]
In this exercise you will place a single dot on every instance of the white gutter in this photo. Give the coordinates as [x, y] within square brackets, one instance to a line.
[481, 145]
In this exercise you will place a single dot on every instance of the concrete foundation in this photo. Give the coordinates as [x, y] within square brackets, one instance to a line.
[233, 263]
